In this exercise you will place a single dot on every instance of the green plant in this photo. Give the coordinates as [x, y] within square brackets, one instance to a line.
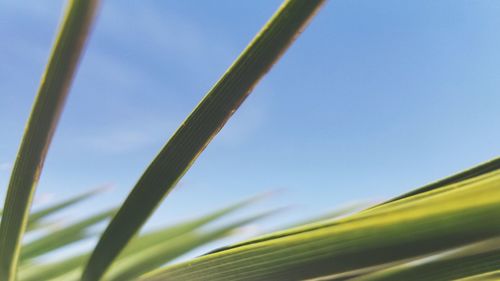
[436, 232]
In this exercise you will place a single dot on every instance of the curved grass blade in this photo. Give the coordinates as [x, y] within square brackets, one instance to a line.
[138, 244]
[35, 217]
[152, 258]
[352, 274]
[458, 263]
[151, 238]
[436, 223]
[332, 215]
[53, 270]
[63, 237]
[489, 276]
[198, 129]
[39, 248]
[70, 276]
[476, 171]
[363, 215]
[40, 129]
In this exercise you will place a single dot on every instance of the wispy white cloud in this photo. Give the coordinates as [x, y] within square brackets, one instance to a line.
[160, 31]
[5, 166]
[117, 141]
[116, 71]
[166, 37]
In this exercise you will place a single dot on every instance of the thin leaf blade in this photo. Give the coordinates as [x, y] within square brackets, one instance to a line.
[436, 223]
[63, 237]
[198, 130]
[53, 270]
[151, 238]
[37, 216]
[152, 258]
[40, 129]
[469, 260]
[476, 171]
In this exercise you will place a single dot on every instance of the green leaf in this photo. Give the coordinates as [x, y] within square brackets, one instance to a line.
[74, 265]
[63, 237]
[151, 238]
[353, 274]
[476, 171]
[35, 217]
[198, 129]
[45, 246]
[419, 227]
[52, 270]
[333, 215]
[380, 209]
[39, 131]
[465, 261]
[69, 276]
[489, 276]
[163, 252]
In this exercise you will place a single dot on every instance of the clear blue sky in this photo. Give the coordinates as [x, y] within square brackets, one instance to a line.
[374, 99]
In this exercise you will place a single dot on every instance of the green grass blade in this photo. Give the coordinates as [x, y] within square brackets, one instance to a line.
[435, 223]
[363, 215]
[151, 238]
[52, 270]
[69, 276]
[353, 274]
[138, 244]
[152, 258]
[305, 225]
[476, 171]
[332, 215]
[63, 237]
[46, 246]
[458, 263]
[489, 276]
[39, 131]
[35, 217]
[198, 129]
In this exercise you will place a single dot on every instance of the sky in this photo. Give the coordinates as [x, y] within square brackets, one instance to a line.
[374, 99]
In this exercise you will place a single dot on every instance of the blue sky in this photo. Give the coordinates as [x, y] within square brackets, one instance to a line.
[374, 99]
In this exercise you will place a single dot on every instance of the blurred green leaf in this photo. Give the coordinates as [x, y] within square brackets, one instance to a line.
[152, 238]
[35, 217]
[489, 276]
[418, 227]
[67, 235]
[72, 267]
[165, 251]
[51, 270]
[465, 261]
[333, 215]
